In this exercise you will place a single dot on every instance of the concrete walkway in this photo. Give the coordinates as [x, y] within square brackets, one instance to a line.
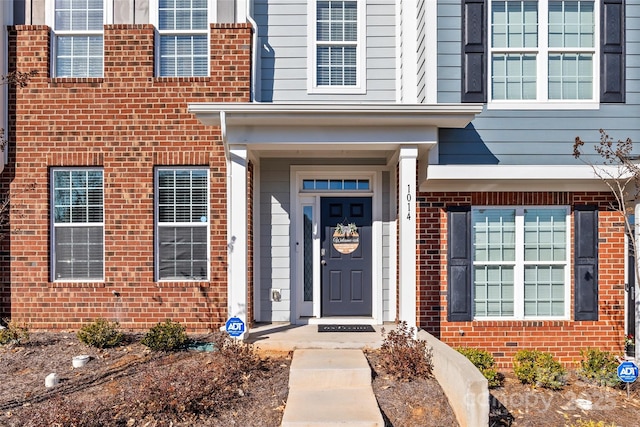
[287, 337]
[326, 391]
[330, 387]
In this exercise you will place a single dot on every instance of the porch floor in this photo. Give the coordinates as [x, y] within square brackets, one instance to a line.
[288, 337]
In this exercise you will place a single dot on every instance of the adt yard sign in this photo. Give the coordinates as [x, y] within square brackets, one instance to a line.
[628, 372]
[234, 326]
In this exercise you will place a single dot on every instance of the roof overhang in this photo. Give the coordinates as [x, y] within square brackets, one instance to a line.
[466, 178]
[304, 129]
[338, 114]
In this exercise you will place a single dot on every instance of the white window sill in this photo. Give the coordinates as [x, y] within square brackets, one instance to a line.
[543, 105]
[336, 90]
[522, 319]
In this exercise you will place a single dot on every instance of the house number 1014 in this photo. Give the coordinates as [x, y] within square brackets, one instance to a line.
[408, 201]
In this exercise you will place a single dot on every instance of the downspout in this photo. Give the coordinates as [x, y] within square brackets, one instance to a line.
[6, 18]
[254, 52]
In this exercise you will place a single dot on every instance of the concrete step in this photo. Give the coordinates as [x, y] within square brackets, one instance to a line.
[328, 408]
[330, 388]
[319, 369]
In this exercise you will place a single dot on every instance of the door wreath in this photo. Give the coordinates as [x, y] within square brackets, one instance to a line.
[346, 238]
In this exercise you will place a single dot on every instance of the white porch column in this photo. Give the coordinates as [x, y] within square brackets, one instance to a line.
[407, 163]
[237, 233]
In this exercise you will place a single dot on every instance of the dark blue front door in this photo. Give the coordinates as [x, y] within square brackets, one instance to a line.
[346, 258]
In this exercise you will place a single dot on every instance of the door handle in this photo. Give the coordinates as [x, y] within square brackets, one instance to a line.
[323, 262]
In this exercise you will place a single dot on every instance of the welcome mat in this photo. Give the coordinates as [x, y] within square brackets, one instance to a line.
[345, 328]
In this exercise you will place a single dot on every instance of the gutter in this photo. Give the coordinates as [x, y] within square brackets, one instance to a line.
[6, 18]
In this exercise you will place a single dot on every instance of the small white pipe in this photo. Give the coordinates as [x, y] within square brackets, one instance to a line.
[254, 53]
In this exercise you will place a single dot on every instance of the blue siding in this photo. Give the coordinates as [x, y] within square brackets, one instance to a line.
[282, 32]
[530, 136]
[449, 48]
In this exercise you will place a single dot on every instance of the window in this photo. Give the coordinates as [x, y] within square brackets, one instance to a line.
[543, 50]
[183, 27]
[78, 37]
[543, 53]
[182, 224]
[307, 264]
[336, 184]
[78, 224]
[520, 262]
[337, 52]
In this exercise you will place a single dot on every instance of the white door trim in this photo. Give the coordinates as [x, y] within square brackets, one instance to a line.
[300, 198]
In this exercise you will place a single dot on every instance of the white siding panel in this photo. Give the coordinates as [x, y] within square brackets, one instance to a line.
[421, 58]
[275, 251]
[388, 216]
[274, 239]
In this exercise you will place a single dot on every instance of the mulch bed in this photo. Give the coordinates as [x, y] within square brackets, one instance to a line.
[109, 389]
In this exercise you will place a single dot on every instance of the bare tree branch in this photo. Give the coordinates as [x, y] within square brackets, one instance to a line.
[17, 79]
[620, 171]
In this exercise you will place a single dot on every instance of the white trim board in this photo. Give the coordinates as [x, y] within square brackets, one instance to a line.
[516, 178]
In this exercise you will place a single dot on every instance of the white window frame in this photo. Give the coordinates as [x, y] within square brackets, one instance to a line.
[54, 226]
[154, 18]
[519, 264]
[158, 224]
[542, 102]
[312, 65]
[50, 18]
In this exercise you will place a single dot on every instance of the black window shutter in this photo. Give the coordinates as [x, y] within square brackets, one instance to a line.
[612, 75]
[586, 263]
[474, 37]
[459, 264]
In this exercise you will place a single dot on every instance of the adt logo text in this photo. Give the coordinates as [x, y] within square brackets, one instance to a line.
[627, 371]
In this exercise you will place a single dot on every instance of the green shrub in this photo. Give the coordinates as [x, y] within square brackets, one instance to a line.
[485, 363]
[524, 366]
[403, 356]
[598, 366]
[166, 336]
[101, 333]
[539, 368]
[550, 373]
[13, 333]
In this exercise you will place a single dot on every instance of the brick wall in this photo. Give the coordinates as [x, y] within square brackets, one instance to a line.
[503, 339]
[127, 122]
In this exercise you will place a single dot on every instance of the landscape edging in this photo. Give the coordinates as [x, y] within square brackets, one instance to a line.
[465, 387]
